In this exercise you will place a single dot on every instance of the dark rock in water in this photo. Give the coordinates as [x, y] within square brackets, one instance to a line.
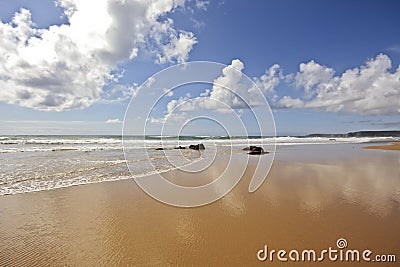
[180, 147]
[197, 147]
[249, 148]
[159, 148]
[257, 150]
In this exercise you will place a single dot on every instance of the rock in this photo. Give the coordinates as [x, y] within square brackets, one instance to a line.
[180, 147]
[257, 150]
[249, 148]
[197, 147]
[159, 148]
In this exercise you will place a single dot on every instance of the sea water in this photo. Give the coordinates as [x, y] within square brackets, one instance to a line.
[36, 163]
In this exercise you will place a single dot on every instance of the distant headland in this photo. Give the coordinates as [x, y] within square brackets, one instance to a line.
[358, 134]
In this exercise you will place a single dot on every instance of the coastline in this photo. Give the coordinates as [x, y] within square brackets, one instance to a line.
[314, 195]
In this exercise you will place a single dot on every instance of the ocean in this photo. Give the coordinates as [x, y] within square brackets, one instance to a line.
[36, 163]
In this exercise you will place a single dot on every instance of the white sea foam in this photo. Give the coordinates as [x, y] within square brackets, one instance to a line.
[35, 163]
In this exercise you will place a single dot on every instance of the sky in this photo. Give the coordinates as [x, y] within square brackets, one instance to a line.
[73, 67]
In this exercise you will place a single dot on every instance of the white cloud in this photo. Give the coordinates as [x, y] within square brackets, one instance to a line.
[113, 121]
[168, 92]
[119, 93]
[289, 102]
[231, 90]
[228, 88]
[175, 117]
[370, 89]
[269, 81]
[177, 49]
[312, 74]
[149, 82]
[201, 4]
[66, 66]
[225, 93]
[171, 105]
[157, 120]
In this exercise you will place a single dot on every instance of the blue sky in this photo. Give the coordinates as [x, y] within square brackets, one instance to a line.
[324, 66]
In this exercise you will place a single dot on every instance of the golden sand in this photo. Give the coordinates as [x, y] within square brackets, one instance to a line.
[392, 146]
[311, 199]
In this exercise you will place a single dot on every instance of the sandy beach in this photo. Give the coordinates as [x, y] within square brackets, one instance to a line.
[313, 196]
[392, 146]
[199, 133]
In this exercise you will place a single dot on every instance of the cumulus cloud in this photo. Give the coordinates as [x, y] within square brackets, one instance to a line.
[66, 66]
[177, 49]
[289, 102]
[312, 74]
[228, 88]
[237, 92]
[231, 90]
[268, 82]
[371, 89]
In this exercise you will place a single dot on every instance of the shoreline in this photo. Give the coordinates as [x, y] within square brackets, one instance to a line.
[392, 146]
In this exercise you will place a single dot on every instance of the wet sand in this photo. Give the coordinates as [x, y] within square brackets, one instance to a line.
[314, 195]
[392, 146]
